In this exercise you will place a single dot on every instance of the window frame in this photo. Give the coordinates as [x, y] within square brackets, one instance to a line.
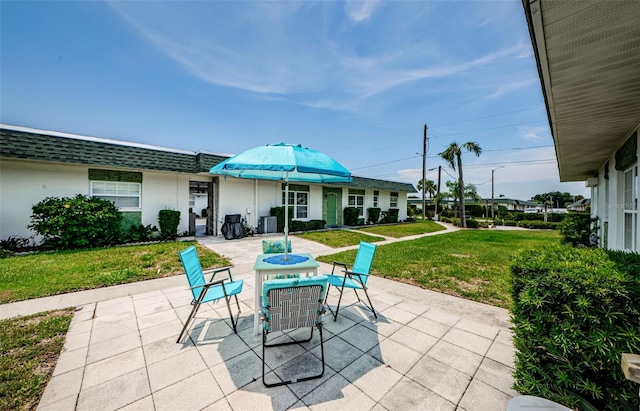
[355, 199]
[392, 203]
[630, 208]
[94, 183]
[298, 199]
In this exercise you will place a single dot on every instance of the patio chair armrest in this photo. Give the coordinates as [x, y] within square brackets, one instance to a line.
[335, 263]
[209, 284]
[352, 273]
[215, 271]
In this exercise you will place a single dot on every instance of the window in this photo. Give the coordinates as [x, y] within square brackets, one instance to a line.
[630, 208]
[376, 194]
[356, 199]
[393, 200]
[125, 196]
[299, 200]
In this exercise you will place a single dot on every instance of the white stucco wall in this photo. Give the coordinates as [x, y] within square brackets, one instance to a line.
[25, 183]
[238, 195]
[607, 203]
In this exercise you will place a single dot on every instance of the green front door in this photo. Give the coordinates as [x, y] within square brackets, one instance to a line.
[331, 206]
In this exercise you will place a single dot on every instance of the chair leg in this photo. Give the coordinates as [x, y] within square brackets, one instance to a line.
[233, 323]
[370, 304]
[294, 380]
[335, 314]
[196, 306]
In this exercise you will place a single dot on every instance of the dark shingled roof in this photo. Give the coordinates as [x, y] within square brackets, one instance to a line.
[372, 183]
[45, 147]
[32, 145]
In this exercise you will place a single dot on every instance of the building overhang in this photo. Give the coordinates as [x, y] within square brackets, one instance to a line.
[588, 57]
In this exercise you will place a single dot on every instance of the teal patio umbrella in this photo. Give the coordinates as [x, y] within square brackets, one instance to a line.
[286, 163]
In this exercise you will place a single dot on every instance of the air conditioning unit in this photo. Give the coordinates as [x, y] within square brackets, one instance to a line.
[268, 225]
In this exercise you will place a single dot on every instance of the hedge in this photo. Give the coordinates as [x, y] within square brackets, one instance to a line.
[168, 221]
[575, 312]
[351, 215]
[539, 224]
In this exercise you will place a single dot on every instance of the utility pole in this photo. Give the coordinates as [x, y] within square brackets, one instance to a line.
[438, 190]
[492, 198]
[493, 213]
[424, 168]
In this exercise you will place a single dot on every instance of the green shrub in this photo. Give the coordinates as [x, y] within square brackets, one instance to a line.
[578, 229]
[472, 223]
[390, 216]
[278, 212]
[310, 225]
[373, 214]
[510, 223]
[168, 221]
[537, 224]
[575, 312]
[76, 222]
[138, 232]
[351, 216]
[475, 210]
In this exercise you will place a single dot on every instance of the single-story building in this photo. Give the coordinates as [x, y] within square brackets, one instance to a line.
[580, 205]
[142, 180]
[588, 57]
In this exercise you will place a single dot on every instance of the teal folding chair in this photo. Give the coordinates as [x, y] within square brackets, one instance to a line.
[292, 304]
[204, 292]
[355, 278]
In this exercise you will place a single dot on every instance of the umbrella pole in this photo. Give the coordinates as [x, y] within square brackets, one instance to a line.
[286, 215]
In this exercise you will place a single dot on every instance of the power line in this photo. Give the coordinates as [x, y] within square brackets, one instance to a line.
[510, 163]
[442, 125]
[488, 116]
[381, 164]
[438, 156]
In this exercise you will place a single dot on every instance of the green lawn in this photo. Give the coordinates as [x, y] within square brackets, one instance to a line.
[344, 238]
[29, 349]
[339, 238]
[49, 273]
[473, 264]
[404, 229]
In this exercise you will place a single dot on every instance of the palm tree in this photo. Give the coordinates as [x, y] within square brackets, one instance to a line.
[453, 156]
[430, 187]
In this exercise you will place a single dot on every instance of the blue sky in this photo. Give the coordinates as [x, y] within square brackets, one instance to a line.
[356, 80]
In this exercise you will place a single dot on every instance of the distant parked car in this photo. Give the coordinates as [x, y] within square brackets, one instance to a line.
[530, 210]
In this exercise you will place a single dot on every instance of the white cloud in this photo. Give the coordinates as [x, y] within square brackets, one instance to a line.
[511, 87]
[534, 133]
[359, 10]
[267, 48]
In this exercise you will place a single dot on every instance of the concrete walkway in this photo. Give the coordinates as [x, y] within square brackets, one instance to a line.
[425, 351]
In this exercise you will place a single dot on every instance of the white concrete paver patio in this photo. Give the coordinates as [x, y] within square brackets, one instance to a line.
[426, 351]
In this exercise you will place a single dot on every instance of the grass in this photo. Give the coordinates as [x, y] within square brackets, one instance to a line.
[29, 348]
[339, 238]
[404, 229]
[473, 264]
[344, 238]
[50, 273]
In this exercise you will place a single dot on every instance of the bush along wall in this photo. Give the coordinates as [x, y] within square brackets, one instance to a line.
[298, 226]
[373, 214]
[168, 221]
[390, 216]
[278, 212]
[76, 222]
[575, 312]
[351, 215]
